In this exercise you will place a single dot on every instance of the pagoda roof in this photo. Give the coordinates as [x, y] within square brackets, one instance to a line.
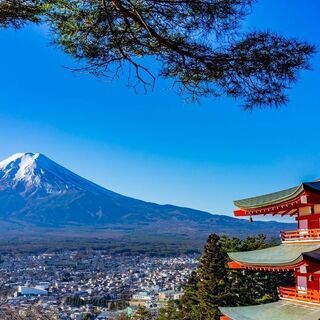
[283, 255]
[278, 197]
[281, 310]
[314, 255]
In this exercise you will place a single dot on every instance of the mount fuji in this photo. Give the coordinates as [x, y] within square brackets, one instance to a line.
[36, 192]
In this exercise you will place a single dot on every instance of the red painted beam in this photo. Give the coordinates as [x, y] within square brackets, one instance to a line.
[235, 265]
[240, 213]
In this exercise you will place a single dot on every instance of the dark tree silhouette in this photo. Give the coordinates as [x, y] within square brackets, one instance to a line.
[198, 44]
[16, 13]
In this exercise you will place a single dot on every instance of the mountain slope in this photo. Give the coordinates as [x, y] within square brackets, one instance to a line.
[36, 191]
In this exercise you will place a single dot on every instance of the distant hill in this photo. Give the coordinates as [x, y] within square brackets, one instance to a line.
[38, 194]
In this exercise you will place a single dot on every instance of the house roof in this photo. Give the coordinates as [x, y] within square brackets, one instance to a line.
[277, 197]
[281, 310]
[279, 256]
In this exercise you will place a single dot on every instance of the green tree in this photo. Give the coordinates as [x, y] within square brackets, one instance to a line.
[75, 301]
[122, 316]
[208, 286]
[170, 312]
[190, 301]
[200, 44]
[112, 306]
[142, 314]
[213, 279]
[87, 316]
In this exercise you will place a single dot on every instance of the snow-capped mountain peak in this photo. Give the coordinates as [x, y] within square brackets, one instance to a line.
[18, 156]
[30, 172]
[20, 167]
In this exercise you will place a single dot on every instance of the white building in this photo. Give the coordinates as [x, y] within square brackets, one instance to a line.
[29, 291]
[142, 296]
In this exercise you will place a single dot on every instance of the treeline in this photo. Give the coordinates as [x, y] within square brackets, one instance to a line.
[126, 246]
[102, 302]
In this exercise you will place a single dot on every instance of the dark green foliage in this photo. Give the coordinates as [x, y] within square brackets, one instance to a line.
[149, 246]
[75, 301]
[198, 44]
[213, 285]
[142, 314]
[88, 316]
[17, 12]
[112, 306]
[190, 300]
[169, 313]
[123, 317]
[208, 287]
[102, 302]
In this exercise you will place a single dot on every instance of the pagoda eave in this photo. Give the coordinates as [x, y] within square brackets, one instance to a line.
[234, 265]
[290, 207]
[282, 257]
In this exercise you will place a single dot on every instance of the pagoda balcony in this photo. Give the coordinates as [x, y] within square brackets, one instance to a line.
[300, 235]
[294, 294]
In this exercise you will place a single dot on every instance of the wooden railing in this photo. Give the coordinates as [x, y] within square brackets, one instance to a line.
[311, 296]
[300, 235]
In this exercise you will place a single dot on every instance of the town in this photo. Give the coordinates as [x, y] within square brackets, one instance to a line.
[72, 284]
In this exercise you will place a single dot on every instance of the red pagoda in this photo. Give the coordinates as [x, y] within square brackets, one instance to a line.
[298, 252]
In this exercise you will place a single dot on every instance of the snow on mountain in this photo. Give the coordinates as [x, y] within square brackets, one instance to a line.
[33, 172]
[23, 169]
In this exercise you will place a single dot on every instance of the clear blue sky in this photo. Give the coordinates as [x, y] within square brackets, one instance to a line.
[155, 147]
